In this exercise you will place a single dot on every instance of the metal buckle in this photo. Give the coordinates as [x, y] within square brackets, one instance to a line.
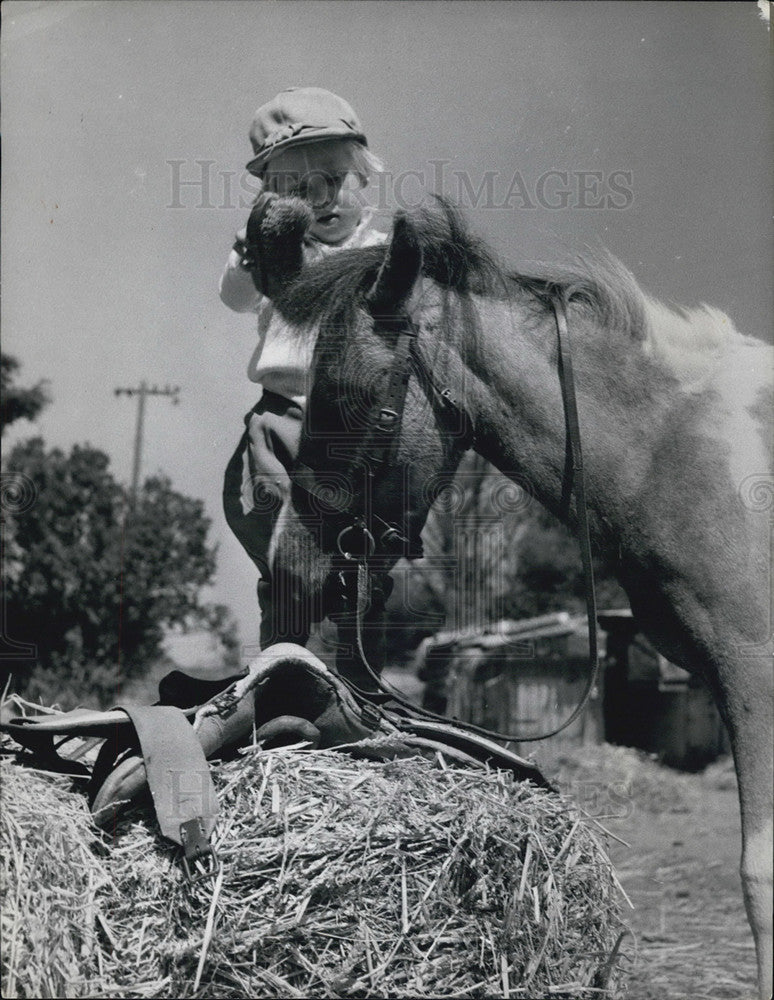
[368, 538]
[386, 420]
[200, 860]
[391, 538]
[369, 714]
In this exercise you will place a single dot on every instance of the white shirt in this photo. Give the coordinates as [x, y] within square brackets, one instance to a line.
[281, 360]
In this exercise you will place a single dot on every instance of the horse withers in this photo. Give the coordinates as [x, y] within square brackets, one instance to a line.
[675, 413]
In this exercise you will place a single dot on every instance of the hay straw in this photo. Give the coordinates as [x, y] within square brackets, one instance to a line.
[341, 878]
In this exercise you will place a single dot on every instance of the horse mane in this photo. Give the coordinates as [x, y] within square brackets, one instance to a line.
[688, 342]
[330, 291]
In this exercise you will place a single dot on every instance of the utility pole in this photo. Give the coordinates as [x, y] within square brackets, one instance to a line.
[142, 392]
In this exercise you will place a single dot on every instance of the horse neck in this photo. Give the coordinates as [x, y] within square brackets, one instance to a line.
[512, 389]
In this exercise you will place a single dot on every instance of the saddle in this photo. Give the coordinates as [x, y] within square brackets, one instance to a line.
[287, 697]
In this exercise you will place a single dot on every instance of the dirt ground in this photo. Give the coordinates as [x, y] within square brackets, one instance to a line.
[690, 939]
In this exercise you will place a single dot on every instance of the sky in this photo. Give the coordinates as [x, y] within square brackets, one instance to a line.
[643, 127]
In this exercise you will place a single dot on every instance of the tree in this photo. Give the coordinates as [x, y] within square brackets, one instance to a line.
[94, 580]
[549, 571]
[17, 403]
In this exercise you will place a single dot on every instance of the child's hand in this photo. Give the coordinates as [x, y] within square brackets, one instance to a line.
[273, 246]
[248, 240]
[257, 214]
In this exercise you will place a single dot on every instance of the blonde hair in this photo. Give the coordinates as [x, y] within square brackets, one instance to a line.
[364, 163]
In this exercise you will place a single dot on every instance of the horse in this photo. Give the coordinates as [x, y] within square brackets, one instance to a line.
[674, 407]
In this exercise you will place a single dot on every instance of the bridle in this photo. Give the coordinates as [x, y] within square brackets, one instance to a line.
[362, 535]
[361, 531]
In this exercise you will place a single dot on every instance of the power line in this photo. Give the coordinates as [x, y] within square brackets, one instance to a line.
[142, 392]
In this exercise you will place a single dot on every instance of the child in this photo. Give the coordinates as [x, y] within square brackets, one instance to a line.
[308, 143]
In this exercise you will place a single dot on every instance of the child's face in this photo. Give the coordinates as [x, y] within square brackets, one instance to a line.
[323, 174]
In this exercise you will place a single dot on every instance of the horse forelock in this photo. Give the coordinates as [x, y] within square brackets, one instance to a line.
[329, 292]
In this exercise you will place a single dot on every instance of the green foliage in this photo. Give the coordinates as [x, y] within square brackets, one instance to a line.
[94, 580]
[17, 403]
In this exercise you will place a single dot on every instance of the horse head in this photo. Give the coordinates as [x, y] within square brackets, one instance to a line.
[372, 433]
[375, 450]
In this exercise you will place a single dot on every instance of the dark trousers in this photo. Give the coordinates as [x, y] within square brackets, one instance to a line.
[256, 482]
[255, 487]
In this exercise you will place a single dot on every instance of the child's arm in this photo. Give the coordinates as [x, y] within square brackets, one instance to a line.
[268, 253]
[241, 288]
[237, 288]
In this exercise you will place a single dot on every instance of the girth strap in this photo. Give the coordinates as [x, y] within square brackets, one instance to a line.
[171, 759]
[178, 774]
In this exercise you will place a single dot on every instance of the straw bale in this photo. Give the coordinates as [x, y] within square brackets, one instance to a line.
[340, 878]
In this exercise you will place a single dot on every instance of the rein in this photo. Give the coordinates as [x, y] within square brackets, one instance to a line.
[382, 436]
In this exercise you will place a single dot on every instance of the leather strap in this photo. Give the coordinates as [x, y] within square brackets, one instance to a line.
[574, 481]
[155, 744]
[387, 416]
[178, 775]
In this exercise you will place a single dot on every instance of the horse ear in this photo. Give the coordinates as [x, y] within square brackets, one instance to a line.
[399, 271]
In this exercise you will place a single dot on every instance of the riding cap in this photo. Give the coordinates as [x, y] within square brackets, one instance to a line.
[300, 115]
